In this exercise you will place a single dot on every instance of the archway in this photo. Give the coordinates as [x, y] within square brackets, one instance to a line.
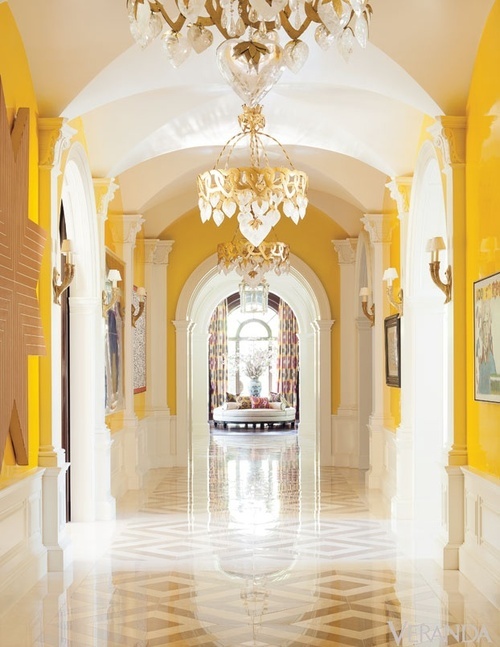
[425, 362]
[90, 465]
[306, 295]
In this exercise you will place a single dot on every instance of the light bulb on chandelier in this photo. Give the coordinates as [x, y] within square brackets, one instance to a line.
[188, 24]
[258, 194]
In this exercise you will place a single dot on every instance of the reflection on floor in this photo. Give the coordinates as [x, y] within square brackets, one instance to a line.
[253, 547]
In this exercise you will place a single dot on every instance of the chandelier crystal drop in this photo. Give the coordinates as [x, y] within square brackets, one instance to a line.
[186, 24]
[257, 194]
[252, 262]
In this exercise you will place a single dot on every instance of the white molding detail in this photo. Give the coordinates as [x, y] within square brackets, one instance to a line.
[23, 557]
[157, 251]
[480, 552]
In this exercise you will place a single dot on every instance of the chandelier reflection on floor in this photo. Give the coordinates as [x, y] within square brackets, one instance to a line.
[187, 25]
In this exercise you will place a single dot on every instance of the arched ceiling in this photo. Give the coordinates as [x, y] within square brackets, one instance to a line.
[350, 125]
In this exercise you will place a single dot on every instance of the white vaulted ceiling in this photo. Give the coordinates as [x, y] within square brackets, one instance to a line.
[348, 125]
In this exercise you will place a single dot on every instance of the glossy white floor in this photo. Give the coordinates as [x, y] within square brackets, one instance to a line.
[253, 546]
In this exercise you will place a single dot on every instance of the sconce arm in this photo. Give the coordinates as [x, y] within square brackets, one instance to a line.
[58, 288]
[368, 312]
[397, 305]
[107, 305]
[136, 314]
[444, 287]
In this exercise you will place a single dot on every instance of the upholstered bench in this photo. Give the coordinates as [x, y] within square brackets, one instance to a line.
[276, 413]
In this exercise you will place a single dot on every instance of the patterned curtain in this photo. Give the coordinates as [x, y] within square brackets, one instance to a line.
[217, 352]
[288, 353]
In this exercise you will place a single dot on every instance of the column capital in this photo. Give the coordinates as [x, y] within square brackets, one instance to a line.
[183, 325]
[400, 190]
[323, 325]
[54, 137]
[124, 228]
[448, 134]
[157, 251]
[104, 191]
[379, 226]
[346, 250]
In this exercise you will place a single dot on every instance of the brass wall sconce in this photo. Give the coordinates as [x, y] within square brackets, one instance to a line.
[113, 277]
[390, 275]
[68, 272]
[137, 313]
[369, 313]
[434, 246]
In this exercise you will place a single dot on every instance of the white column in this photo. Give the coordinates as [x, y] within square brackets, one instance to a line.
[364, 386]
[86, 322]
[156, 269]
[345, 451]
[323, 379]
[449, 135]
[184, 362]
[124, 230]
[104, 190]
[379, 227]
[54, 138]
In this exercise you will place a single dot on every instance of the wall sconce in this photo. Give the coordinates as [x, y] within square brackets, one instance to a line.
[434, 246]
[390, 275]
[68, 272]
[113, 277]
[136, 314]
[369, 314]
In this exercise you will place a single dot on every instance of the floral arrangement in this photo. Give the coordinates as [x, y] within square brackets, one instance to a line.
[254, 363]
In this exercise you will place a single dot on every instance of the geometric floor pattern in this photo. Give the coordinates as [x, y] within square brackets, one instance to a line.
[262, 550]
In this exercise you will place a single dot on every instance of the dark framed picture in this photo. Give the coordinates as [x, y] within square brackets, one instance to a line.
[392, 329]
[487, 339]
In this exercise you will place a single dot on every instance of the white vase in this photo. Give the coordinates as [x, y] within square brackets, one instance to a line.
[255, 387]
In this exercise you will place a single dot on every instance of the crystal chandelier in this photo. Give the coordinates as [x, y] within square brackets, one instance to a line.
[257, 194]
[252, 262]
[187, 25]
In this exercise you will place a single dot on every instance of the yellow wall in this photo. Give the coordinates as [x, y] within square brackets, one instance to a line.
[483, 225]
[310, 240]
[19, 93]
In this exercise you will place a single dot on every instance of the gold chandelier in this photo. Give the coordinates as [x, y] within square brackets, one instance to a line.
[257, 194]
[185, 25]
[252, 262]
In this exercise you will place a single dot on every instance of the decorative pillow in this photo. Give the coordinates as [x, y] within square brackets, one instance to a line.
[277, 405]
[285, 402]
[244, 402]
[274, 397]
[230, 405]
[230, 397]
[259, 403]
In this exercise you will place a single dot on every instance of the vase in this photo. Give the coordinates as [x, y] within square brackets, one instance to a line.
[255, 387]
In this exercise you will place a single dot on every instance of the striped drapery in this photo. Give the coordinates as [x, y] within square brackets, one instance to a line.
[288, 353]
[217, 354]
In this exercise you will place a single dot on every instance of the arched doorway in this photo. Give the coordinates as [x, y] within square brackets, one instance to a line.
[425, 362]
[304, 292]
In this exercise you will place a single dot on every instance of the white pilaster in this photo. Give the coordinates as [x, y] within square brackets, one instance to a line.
[124, 231]
[323, 348]
[156, 269]
[379, 227]
[183, 345]
[104, 190]
[55, 137]
[86, 326]
[345, 450]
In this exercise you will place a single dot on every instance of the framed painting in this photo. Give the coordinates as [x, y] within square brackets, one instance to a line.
[392, 330]
[487, 339]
